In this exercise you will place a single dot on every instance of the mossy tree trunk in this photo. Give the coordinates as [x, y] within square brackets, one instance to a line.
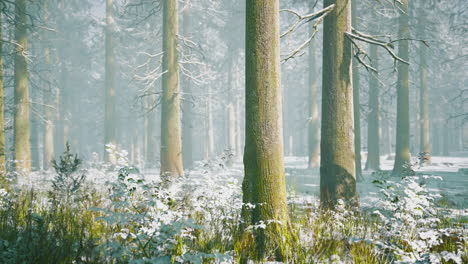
[264, 182]
[356, 102]
[402, 152]
[110, 114]
[337, 162]
[425, 146]
[21, 126]
[3, 182]
[373, 118]
[171, 147]
[314, 121]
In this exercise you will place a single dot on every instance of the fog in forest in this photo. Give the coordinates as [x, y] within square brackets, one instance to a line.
[224, 131]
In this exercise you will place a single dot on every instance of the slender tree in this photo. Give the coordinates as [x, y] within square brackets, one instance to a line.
[424, 147]
[187, 104]
[264, 182]
[110, 114]
[152, 135]
[171, 149]
[21, 126]
[3, 182]
[337, 157]
[209, 147]
[356, 102]
[402, 153]
[373, 119]
[314, 121]
[49, 100]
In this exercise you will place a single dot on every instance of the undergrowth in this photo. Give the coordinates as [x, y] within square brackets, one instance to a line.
[196, 219]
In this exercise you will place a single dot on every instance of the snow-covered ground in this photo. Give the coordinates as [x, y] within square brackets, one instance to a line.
[305, 182]
[454, 184]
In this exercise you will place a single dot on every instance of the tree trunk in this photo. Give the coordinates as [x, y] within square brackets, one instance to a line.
[110, 114]
[49, 101]
[373, 125]
[337, 157]
[402, 153]
[445, 139]
[187, 108]
[171, 149]
[356, 103]
[314, 121]
[424, 146]
[3, 181]
[209, 129]
[152, 134]
[22, 134]
[238, 128]
[231, 114]
[264, 182]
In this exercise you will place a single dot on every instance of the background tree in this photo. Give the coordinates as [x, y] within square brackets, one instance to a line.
[373, 119]
[424, 145]
[356, 101]
[110, 114]
[314, 121]
[402, 152]
[3, 182]
[22, 133]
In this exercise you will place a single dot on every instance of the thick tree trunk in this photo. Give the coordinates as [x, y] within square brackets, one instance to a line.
[402, 153]
[171, 149]
[3, 181]
[356, 104]
[337, 162]
[314, 121]
[22, 133]
[264, 182]
[187, 108]
[373, 125]
[110, 114]
[424, 145]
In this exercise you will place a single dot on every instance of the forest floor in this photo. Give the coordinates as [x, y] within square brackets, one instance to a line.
[305, 182]
[412, 219]
[453, 186]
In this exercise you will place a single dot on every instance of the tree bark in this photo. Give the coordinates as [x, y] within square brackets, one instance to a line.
[402, 153]
[264, 182]
[171, 149]
[22, 133]
[373, 125]
[3, 180]
[424, 146]
[337, 163]
[110, 114]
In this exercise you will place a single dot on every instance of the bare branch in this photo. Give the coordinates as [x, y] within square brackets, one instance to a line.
[306, 18]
